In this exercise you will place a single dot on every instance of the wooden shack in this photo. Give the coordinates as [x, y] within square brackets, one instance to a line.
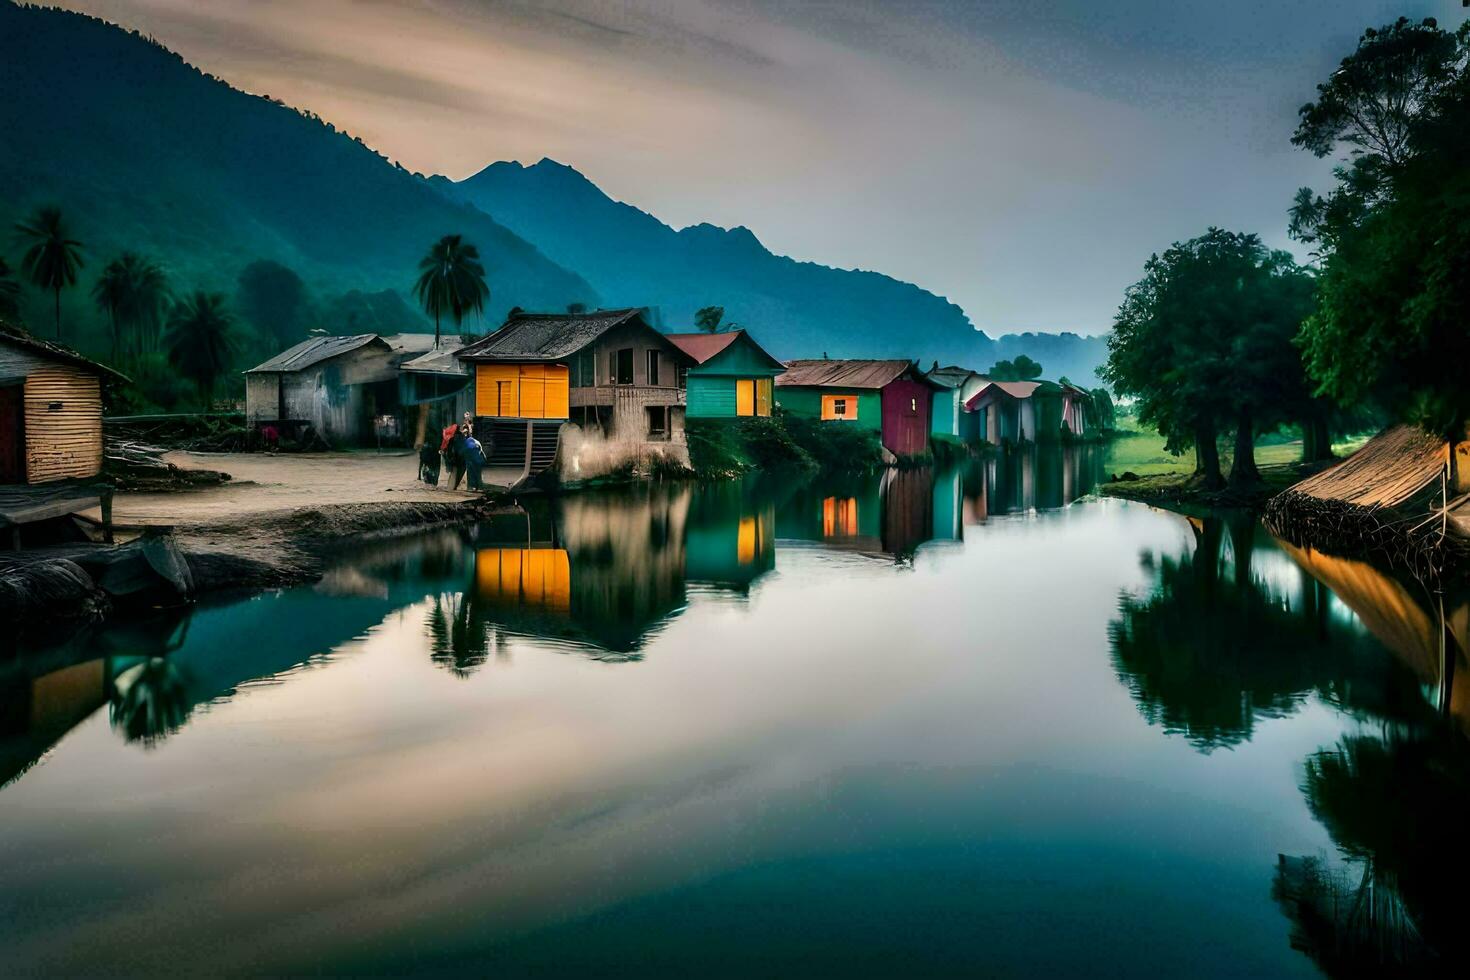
[892, 397]
[349, 390]
[50, 432]
[608, 371]
[732, 375]
[959, 385]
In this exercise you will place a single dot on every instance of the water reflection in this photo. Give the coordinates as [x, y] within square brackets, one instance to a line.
[1029, 478]
[1242, 628]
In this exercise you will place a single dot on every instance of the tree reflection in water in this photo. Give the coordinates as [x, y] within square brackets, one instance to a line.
[1395, 806]
[1231, 634]
[1216, 646]
[459, 634]
[150, 700]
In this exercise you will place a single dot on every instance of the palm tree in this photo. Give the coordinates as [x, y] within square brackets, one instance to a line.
[132, 291]
[52, 260]
[200, 340]
[9, 294]
[451, 280]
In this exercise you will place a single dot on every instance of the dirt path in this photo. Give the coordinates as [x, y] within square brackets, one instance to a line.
[263, 483]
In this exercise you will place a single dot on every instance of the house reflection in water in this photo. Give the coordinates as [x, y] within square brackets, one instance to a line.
[1029, 478]
[888, 515]
[731, 540]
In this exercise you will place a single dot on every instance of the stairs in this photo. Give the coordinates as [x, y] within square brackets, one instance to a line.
[528, 446]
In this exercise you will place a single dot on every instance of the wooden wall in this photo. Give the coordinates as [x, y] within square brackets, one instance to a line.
[63, 407]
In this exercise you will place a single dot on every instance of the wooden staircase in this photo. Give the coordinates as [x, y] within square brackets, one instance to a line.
[527, 445]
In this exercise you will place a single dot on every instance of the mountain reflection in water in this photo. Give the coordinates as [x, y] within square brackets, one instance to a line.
[925, 722]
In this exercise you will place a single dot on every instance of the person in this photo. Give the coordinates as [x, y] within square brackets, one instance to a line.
[449, 451]
[474, 462]
[429, 464]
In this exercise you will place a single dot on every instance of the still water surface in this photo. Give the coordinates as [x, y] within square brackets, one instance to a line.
[918, 725]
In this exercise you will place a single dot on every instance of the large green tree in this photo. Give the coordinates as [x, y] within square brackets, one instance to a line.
[133, 292]
[451, 281]
[1394, 232]
[1204, 341]
[200, 341]
[273, 299]
[1022, 368]
[708, 318]
[52, 258]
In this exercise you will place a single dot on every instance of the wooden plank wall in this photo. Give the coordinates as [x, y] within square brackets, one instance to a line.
[63, 407]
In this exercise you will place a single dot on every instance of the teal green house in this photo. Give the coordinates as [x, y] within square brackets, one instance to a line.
[732, 375]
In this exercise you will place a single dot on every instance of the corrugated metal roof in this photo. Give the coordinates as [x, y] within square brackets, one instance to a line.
[702, 346]
[441, 361]
[952, 376]
[842, 374]
[411, 343]
[545, 336]
[314, 351]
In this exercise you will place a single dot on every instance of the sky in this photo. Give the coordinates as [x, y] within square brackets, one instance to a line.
[1020, 157]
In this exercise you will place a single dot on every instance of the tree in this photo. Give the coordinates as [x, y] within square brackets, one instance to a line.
[52, 260]
[708, 318]
[1022, 368]
[133, 292]
[274, 301]
[9, 294]
[1204, 339]
[451, 280]
[201, 342]
[1394, 233]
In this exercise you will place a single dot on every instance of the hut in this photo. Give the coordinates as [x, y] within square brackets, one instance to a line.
[732, 375]
[608, 371]
[50, 433]
[891, 397]
[347, 390]
[1010, 412]
[959, 385]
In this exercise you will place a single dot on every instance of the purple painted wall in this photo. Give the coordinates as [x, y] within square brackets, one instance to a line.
[906, 413]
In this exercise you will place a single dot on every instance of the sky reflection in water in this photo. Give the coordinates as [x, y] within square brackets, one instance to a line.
[914, 724]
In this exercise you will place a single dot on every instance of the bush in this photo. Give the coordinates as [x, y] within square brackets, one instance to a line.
[769, 444]
[838, 447]
[948, 450]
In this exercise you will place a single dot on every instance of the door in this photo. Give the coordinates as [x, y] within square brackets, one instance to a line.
[744, 397]
[12, 434]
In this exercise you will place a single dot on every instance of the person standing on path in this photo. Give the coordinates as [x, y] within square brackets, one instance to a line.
[474, 462]
[450, 447]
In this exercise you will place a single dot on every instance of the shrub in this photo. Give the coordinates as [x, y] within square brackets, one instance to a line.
[839, 447]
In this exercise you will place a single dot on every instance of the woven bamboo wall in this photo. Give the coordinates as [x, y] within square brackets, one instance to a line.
[63, 406]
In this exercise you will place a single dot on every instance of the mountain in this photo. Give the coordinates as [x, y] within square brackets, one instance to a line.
[144, 152]
[799, 309]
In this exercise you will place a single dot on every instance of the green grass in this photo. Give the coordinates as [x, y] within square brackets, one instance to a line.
[1142, 452]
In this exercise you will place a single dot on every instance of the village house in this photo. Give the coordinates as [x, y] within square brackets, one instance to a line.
[347, 390]
[50, 434]
[608, 371]
[950, 418]
[732, 376]
[1010, 412]
[891, 397]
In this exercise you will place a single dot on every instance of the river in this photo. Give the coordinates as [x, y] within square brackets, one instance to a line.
[973, 722]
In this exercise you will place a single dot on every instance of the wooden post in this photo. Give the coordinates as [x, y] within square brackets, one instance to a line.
[107, 514]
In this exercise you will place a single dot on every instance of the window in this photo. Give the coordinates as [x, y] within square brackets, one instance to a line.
[623, 366]
[840, 408]
[584, 370]
[744, 397]
[681, 376]
[658, 422]
[653, 367]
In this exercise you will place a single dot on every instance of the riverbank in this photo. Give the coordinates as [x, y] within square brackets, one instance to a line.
[1182, 488]
[277, 523]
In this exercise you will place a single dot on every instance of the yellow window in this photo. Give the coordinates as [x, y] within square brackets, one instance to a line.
[744, 397]
[763, 397]
[745, 541]
[839, 517]
[840, 408]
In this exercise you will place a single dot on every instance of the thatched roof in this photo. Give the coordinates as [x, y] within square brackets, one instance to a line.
[1394, 468]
